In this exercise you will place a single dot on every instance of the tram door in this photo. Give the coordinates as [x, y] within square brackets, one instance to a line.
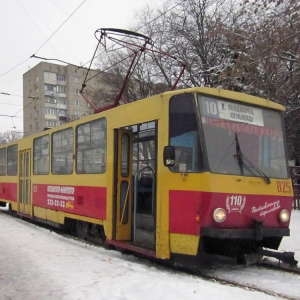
[123, 207]
[25, 205]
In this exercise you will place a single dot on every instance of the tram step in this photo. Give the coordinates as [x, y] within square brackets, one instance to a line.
[144, 221]
[145, 238]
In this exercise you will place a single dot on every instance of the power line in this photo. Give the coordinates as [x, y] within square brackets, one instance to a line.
[161, 14]
[14, 67]
[60, 26]
[45, 41]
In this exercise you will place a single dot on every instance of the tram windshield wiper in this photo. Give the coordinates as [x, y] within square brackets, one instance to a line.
[244, 162]
[239, 155]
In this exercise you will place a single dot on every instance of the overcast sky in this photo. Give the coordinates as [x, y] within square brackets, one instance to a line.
[27, 25]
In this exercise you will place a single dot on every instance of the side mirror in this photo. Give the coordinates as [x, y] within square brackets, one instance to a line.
[169, 156]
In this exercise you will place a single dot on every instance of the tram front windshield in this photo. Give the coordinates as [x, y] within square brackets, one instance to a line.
[227, 137]
[242, 139]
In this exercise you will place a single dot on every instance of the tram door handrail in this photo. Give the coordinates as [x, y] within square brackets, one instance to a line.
[125, 203]
[136, 177]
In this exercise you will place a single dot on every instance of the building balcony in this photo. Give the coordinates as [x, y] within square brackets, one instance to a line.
[50, 81]
[61, 106]
[50, 93]
[51, 117]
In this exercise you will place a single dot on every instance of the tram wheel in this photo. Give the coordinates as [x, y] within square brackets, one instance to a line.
[82, 229]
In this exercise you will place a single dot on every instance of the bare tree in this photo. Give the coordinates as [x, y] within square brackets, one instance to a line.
[275, 35]
[9, 136]
[250, 46]
[197, 33]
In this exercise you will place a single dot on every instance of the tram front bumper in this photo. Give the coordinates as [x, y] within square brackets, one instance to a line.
[256, 233]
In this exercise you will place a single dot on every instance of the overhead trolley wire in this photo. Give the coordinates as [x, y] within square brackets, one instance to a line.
[45, 41]
[60, 27]
[34, 55]
[14, 67]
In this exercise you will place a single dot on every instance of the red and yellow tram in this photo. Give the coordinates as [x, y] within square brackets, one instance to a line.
[184, 171]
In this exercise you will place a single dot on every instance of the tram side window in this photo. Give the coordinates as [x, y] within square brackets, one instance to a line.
[184, 135]
[62, 152]
[12, 160]
[3, 161]
[91, 147]
[41, 155]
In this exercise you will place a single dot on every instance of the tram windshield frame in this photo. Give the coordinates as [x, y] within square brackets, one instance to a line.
[227, 137]
[233, 129]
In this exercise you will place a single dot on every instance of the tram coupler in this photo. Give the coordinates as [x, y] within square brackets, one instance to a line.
[285, 257]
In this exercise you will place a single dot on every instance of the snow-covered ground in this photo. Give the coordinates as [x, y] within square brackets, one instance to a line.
[36, 263]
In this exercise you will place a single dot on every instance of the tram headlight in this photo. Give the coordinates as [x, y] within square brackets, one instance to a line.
[219, 215]
[284, 215]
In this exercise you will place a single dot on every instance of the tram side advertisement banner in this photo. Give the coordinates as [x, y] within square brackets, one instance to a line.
[83, 200]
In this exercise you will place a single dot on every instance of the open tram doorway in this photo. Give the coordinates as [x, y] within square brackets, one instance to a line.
[135, 185]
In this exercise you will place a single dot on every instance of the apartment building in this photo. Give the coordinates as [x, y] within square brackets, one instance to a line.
[51, 95]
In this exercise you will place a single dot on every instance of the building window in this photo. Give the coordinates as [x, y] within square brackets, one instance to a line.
[50, 100]
[76, 91]
[61, 89]
[37, 125]
[62, 112]
[30, 127]
[49, 87]
[62, 152]
[50, 123]
[50, 75]
[41, 157]
[76, 79]
[91, 147]
[51, 111]
[62, 101]
[37, 90]
[36, 78]
[61, 77]
[77, 102]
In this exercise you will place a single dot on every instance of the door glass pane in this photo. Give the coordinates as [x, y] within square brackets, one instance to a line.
[27, 164]
[22, 165]
[125, 156]
[21, 191]
[26, 191]
[123, 197]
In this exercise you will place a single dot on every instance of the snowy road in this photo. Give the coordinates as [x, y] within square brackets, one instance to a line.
[36, 263]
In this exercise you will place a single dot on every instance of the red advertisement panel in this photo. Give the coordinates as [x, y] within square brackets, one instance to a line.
[8, 191]
[81, 200]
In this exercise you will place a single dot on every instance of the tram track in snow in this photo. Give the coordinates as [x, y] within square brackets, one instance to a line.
[278, 266]
[256, 277]
[220, 272]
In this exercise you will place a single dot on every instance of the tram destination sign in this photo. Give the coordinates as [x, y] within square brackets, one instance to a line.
[232, 111]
